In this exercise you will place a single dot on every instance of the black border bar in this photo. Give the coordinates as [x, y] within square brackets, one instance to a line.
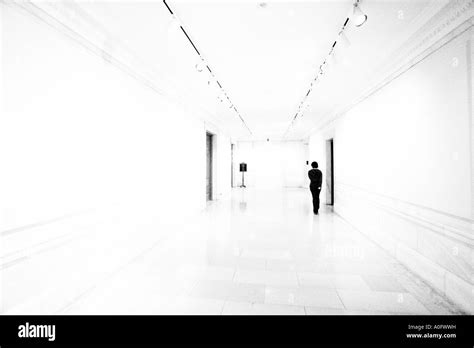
[240, 330]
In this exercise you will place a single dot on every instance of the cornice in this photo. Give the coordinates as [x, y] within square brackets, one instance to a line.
[439, 23]
[445, 21]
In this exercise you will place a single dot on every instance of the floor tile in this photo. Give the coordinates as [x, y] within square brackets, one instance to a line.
[383, 283]
[323, 298]
[246, 263]
[212, 289]
[245, 308]
[326, 311]
[347, 281]
[392, 302]
[316, 280]
[252, 293]
[272, 278]
[280, 265]
[267, 254]
[228, 290]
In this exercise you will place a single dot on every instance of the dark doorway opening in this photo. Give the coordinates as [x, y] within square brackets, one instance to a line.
[330, 172]
[209, 151]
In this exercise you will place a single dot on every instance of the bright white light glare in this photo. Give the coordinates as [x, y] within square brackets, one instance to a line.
[345, 39]
[332, 59]
[358, 16]
[175, 23]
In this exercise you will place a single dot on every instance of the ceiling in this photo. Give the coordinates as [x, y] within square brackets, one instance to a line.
[264, 54]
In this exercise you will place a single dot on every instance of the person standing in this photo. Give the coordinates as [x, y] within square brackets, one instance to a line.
[316, 177]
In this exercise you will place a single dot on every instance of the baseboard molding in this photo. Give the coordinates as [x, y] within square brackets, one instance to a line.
[436, 246]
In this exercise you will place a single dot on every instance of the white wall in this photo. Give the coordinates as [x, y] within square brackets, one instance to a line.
[79, 135]
[272, 164]
[403, 168]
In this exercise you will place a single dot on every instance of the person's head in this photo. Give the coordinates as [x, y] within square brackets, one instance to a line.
[314, 164]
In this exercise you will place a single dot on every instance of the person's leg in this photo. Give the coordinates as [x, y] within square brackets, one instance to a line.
[315, 201]
[316, 194]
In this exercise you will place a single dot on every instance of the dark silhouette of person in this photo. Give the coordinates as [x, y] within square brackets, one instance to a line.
[316, 177]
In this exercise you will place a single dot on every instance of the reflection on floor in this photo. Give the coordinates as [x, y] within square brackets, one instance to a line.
[263, 252]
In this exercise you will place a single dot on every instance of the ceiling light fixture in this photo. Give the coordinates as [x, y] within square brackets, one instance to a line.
[200, 66]
[358, 16]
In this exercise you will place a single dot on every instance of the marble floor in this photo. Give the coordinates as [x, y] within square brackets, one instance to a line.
[263, 252]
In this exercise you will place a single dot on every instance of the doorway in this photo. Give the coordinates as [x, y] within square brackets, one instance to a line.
[330, 171]
[209, 151]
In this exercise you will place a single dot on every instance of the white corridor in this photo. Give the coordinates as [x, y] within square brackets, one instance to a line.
[128, 127]
[263, 252]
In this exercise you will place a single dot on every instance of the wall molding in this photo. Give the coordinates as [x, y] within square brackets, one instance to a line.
[441, 25]
[436, 246]
[457, 228]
